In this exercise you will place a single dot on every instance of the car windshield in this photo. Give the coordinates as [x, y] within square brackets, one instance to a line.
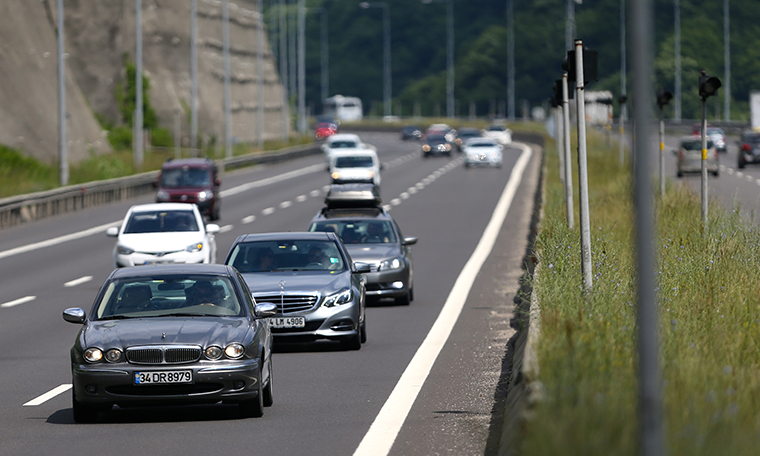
[358, 231]
[714, 131]
[185, 177]
[481, 144]
[298, 255]
[161, 222]
[496, 128]
[751, 139]
[695, 144]
[324, 125]
[353, 162]
[468, 134]
[343, 144]
[436, 138]
[168, 296]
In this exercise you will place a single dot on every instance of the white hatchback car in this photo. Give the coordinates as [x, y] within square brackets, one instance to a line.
[163, 233]
[340, 142]
[355, 167]
[482, 151]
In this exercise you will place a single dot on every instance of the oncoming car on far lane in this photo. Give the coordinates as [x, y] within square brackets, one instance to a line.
[482, 151]
[163, 233]
[749, 148]
[319, 292]
[172, 335]
[372, 237]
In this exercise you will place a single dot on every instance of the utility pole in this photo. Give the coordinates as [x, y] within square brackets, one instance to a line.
[677, 27]
[387, 111]
[194, 78]
[227, 95]
[511, 59]
[568, 166]
[727, 60]
[284, 70]
[623, 85]
[137, 147]
[301, 67]
[63, 149]
[583, 167]
[260, 76]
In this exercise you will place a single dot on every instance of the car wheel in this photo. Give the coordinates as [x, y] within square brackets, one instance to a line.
[411, 294]
[679, 173]
[741, 163]
[716, 173]
[83, 413]
[466, 164]
[364, 331]
[268, 390]
[353, 342]
[253, 408]
[404, 300]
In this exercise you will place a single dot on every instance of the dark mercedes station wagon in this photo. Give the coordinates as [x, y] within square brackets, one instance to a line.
[170, 335]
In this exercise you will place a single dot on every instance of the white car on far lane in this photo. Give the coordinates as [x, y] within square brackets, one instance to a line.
[482, 151]
[340, 142]
[498, 132]
[163, 233]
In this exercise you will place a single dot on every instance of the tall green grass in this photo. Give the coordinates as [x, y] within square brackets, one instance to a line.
[709, 301]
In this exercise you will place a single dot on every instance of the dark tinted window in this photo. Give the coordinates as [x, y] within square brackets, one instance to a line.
[353, 162]
[186, 177]
[358, 231]
[161, 221]
[264, 256]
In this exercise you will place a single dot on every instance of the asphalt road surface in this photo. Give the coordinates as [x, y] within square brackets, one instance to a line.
[326, 399]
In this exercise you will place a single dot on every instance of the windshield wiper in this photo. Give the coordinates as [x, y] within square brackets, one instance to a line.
[186, 314]
[116, 317]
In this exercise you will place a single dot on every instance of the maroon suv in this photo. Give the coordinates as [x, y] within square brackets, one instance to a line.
[190, 180]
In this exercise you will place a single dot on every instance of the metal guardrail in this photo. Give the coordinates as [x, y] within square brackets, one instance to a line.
[16, 210]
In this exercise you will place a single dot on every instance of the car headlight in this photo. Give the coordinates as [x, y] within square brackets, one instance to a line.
[234, 351]
[336, 175]
[387, 265]
[113, 355]
[123, 250]
[93, 355]
[214, 352]
[203, 196]
[371, 174]
[162, 195]
[339, 298]
[426, 148]
[197, 247]
[447, 147]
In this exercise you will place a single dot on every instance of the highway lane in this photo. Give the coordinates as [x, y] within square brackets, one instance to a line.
[325, 400]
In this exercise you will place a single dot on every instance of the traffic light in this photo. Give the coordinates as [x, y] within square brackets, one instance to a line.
[590, 66]
[664, 97]
[708, 85]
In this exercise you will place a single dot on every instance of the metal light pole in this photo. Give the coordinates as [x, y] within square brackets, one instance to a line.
[677, 31]
[137, 154]
[449, 54]
[511, 59]
[386, 53]
[227, 95]
[708, 86]
[650, 401]
[569, 24]
[194, 78]
[583, 168]
[260, 76]
[63, 150]
[301, 67]
[727, 60]
[568, 167]
[663, 98]
[284, 69]
[623, 84]
[325, 57]
[292, 63]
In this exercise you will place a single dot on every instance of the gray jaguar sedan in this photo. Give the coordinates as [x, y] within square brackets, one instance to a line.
[172, 335]
[310, 277]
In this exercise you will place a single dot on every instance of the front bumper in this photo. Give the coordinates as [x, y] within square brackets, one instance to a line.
[482, 160]
[105, 384]
[387, 284]
[138, 259]
[333, 323]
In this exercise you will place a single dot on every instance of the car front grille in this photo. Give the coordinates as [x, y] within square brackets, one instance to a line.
[290, 303]
[163, 355]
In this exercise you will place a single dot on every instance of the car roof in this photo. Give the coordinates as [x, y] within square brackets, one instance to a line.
[343, 136]
[170, 269]
[287, 236]
[353, 213]
[162, 207]
[191, 162]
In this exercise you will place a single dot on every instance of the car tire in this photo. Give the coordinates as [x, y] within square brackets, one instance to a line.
[466, 165]
[679, 173]
[353, 342]
[716, 173]
[411, 294]
[253, 408]
[269, 389]
[83, 413]
[364, 331]
[741, 164]
[405, 300]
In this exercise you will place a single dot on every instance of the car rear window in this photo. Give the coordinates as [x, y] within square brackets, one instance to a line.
[695, 144]
[161, 222]
[353, 162]
[358, 231]
[343, 144]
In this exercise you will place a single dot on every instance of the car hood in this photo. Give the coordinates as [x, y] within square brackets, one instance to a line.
[160, 242]
[482, 150]
[203, 331]
[296, 281]
[373, 253]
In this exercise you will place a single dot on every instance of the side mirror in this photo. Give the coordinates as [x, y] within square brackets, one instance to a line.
[362, 268]
[218, 181]
[265, 310]
[75, 315]
[212, 228]
[112, 231]
[409, 241]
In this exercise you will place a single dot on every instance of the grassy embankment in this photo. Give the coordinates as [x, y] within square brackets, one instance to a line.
[709, 292]
[21, 174]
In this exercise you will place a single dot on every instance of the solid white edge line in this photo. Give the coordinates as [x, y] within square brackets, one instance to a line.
[18, 301]
[78, 281]
[49, 395]
[58, 240]
[384, 430]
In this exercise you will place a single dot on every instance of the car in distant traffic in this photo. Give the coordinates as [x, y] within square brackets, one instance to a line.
[163, 233]
[463, 134]
[355, 166]
[749, 148]
[499, 132]
[172, 335]
[444, 129]
[482, 152]
[372, 237]
[324, 129]
[715, 133]
[340, 142]
[411, 132]
[689, 156]
[435, 143]
[319, 292]
[190, 180]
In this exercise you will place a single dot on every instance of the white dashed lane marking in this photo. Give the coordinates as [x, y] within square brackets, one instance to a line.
[18, 301]
[268, 211]
[78, 281]
[314, 193]
[249, 219]
[285, 204]
[226, 228]
[301, 198]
